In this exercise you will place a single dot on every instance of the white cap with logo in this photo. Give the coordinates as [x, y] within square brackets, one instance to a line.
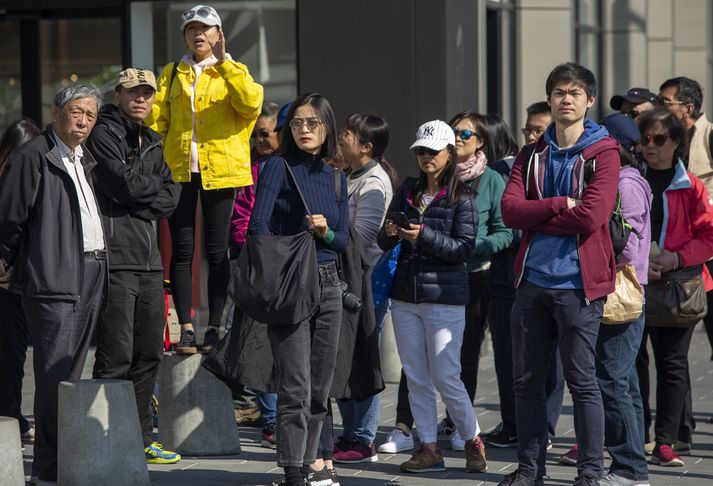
[200, 13]
[435, 134]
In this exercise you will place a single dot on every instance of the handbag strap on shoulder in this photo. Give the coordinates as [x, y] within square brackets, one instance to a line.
[297, 186]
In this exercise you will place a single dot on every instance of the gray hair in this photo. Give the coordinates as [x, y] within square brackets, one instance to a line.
[76, 91]
[269, 110]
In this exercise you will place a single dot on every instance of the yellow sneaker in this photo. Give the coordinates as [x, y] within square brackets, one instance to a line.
[156, 455]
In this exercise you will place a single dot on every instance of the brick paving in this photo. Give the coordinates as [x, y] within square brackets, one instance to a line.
[256, 465]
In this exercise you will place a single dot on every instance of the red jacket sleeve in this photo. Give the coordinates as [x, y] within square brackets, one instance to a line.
[518, 211]
[597, 201]
[700, 248]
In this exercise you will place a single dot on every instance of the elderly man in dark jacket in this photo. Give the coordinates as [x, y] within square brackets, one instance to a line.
[51, 234]
[135, 189]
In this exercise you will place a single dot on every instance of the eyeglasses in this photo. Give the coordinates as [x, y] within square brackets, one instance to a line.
[667, 102]
[311, 123]
[535, 131]
[464, 134]
[659, 140]
[202, 12]
[421, 151]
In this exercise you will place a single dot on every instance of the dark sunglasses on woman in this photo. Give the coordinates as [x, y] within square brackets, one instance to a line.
[464, 134]
[659, 140]
[423, 151]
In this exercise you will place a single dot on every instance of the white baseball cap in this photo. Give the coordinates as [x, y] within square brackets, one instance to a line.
[200, 13]
[435, 135]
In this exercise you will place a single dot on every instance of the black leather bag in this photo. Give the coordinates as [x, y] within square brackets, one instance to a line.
[677, 300]
[276, 280]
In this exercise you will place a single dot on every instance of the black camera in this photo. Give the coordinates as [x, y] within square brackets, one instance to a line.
[350, 301]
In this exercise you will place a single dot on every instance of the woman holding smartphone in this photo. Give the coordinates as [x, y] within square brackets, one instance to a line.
[430, 292]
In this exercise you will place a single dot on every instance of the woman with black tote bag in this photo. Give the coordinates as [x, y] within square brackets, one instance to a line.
[305, 353]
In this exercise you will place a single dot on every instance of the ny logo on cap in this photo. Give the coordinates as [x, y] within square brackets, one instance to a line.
[428, 131]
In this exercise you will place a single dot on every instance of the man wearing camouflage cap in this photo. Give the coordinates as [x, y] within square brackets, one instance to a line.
[135, 189]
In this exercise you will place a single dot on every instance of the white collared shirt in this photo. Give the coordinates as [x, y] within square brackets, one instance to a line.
[92, 232]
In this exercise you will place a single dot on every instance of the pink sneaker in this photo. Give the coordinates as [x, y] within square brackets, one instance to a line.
[354, 452]
[570, 458]
[664, 456]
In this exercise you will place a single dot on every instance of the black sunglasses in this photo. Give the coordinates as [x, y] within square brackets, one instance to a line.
[464, 134]
[203, 12]
[420, 151]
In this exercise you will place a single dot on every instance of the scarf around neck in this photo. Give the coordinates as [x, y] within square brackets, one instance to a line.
[472, 168]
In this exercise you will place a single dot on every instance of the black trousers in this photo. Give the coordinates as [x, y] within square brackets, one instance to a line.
[13, 350]
[305, 357]
[708, 319]
[673, 385]
[687, 423]
[217, 206]
[130, 337]
[61, 333]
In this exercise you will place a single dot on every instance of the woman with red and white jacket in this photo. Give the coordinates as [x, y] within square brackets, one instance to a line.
[682, 225]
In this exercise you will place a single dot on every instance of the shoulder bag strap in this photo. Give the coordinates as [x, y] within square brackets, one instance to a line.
[174, 71]
[297, 186]
[338, 185]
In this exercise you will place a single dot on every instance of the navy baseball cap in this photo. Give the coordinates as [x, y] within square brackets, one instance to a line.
[282, 115]
[623, 128]
[634, 95]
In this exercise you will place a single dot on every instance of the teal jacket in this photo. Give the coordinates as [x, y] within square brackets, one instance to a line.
[493, 235]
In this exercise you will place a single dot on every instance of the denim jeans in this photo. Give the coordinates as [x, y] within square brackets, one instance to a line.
[544, 319]
[360, 419]
[617, 347]
[499, 322]
[268, 408]
[305, 357]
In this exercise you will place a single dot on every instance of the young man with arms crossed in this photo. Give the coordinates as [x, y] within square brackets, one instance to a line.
[565, 268]
[134, 189]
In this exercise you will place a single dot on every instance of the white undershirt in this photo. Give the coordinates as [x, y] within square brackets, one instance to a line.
[198, 68]
[92, 232]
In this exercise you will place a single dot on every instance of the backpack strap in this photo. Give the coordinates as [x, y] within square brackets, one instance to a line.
[174, 72]
[297, 186]
[710, 143]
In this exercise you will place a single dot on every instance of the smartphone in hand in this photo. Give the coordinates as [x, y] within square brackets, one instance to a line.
[399, 219]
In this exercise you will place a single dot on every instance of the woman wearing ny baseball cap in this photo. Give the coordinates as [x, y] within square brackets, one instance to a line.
[430, 291]
[206, 107]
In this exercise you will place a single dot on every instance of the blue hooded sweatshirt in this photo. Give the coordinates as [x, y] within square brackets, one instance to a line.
[552, 261]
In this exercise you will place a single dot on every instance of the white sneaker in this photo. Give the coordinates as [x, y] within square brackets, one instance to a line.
[397, 441]
[457, 443]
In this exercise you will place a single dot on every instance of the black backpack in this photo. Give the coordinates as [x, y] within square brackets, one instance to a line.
[619, 228]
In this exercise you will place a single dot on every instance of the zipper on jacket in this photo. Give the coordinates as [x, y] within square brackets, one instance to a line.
[148, 234]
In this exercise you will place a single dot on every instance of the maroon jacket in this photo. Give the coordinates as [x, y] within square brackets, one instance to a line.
[524, 207]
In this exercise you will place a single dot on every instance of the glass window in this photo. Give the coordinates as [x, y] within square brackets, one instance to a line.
[83, 50]
[10, 85]
[500, 60]
[260, 34]
[589, 42]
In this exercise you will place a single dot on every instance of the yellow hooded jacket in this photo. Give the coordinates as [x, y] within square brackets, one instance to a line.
[227, 103]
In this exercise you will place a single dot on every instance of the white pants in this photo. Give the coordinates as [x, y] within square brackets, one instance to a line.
[429, 338]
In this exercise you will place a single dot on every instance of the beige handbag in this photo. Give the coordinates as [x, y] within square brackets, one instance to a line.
[626, 303]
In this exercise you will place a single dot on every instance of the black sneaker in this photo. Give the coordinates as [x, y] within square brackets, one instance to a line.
[586, 481]
[333, 476]
[187, 344]
[210, 339]
[320, 478]
[501, 439]
[283, 482]
[516, 478]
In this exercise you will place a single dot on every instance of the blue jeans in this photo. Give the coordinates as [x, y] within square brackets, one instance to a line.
[544, 320]
[617, 347]
[268, 408]
[360, 419]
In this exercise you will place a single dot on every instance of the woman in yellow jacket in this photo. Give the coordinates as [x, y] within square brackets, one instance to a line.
[206, 108]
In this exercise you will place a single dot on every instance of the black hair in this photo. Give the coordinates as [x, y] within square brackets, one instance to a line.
[373, 129]
[675, 128]
[571, 72]
[478, 121]
[324, 112]
[500, 141]
[16, 135]
[687, 91]
[448, 179]
[539, 108]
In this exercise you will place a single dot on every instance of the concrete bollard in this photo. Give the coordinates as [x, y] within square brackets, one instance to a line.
[196, 415]
[12, 471]
[99, 441]
[390, 361]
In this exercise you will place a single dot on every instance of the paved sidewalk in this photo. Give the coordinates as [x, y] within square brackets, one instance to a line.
[256, 465]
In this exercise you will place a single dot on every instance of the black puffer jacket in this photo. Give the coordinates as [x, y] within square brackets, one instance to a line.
[434, 269]
[134, 189]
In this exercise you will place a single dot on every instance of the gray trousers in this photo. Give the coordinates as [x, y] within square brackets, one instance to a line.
[61, 332]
